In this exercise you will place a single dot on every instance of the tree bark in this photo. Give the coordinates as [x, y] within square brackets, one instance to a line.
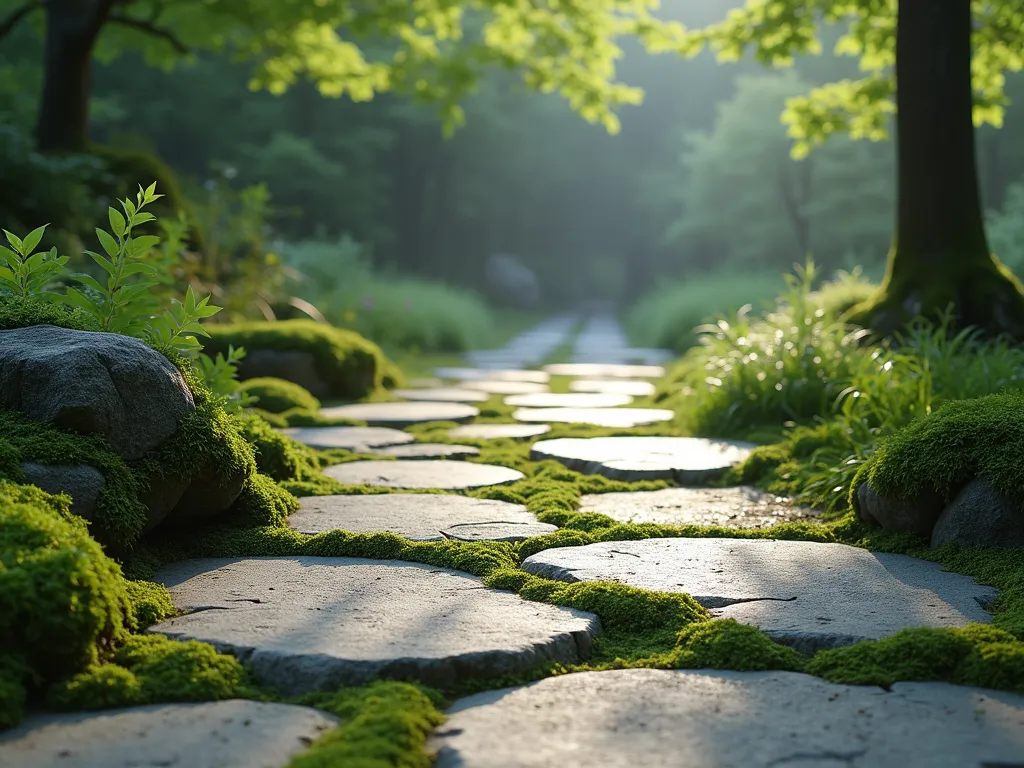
[940, 256]
[72, 27]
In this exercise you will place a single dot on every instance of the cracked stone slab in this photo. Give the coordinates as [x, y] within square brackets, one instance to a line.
[424, 451]
[805, 594]
[598, 417]
[223, 734]
[417, 516]
[506, 387]
[492, 374]
[683, 459]
[401, 414]
[735, 507]
[442, 395]
[716, 719]
[499, 531]
[412, 474]
[630, 387]
[499, 431]
[349, 438]
[605, 371]
[308, 623]
[569, 400]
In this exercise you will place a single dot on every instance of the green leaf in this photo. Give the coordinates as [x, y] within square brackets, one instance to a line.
[6, 275]
[10, 257]
[14, 240]
[104, 263]
[32, 239]
[109, 243]
[139, 245]
[117, 222]
[90, 281]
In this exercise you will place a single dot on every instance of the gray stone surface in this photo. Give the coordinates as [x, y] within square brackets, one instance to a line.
[223, 734]
[805, 594]
[417, 516]
[715, 719]
[401, 414]
[498, 531]
[568, 400]
[81, 482]
[489, 374]
[630, 387]
[598, 417]
[442, 395]
[980, 516]
[349, 438]
[424, 451]
[605, 371]
[422, 475]
[498, 387]
[735, 507]
[105, 384]
[499, 431]
[687, 460]
[310, 623]
[915, 516]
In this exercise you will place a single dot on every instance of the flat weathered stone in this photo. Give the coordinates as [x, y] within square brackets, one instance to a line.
[222, 734]
[424, 451]
[568, 400]
[79, 481]
[499, 431]
[309, 623]
[496, 374]
[506, 387]
[421, 517]
[498, 531]
[401, 414]
[349, 438]
[716, 719]
[598, 417]
[630, 387]
[980, 516]
[736, 507]
[683, 459]
[442, 395]
[605, 371]
[805, 594]
[422, 475]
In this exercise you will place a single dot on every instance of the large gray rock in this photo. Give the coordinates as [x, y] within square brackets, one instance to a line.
[401, 414]
[422, 475]
[105, 384]
[712, 719]
[599, 417]
[569, 400]
[980, 516]
[804, 594]
[417, 516]
[81, 482]
[309, 623]
[223, 734]
[360, 439]
[916, 516]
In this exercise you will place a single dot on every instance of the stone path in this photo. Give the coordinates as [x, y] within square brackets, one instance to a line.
[569, 400]
[422, 475]
[424, 451]
[497, 374]
[360, 439]
[420, 517]
[631, 387]
[712, 719]
[598, 417]
[500, 387]
[306, 623]
[442, 395]
[530, 348]
[499, 431]
[808, 595]
[605, 370]
[401, 414]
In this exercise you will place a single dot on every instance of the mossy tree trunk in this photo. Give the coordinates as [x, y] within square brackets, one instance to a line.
[940, 256]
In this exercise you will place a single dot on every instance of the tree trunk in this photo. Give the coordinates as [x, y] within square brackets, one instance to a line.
[72, 27]
[940, 257]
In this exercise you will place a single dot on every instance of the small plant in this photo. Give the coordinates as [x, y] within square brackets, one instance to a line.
[220, 374]
[28, 273]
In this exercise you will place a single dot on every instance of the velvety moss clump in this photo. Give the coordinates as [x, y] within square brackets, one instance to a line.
[726, 644]
[16, 312]
[278, 395]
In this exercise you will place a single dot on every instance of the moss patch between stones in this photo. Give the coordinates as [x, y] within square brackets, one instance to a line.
[278, 395]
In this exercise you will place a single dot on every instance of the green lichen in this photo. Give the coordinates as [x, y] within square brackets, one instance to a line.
[278, 395]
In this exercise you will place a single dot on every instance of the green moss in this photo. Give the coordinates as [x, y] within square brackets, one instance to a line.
[262, 502]
[383, 725]
[150, 603]
[278, 395]
[350, 366]
[726, 644]
[16, 312]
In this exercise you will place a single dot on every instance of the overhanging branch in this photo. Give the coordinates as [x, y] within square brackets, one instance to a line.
[151, 29]
[11, 20]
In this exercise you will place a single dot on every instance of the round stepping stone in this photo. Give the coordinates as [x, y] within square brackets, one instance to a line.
[506, 387]
[717, 719]
[613, 387]
[349, 438]
[309, 623]
[598, 417]
[683, 459]
[223, 734]
[422, 475]
[498, 431]
[739, 507]
[570, 400]
[498, 531]
[497, 374]
[420, 517]
[424, 451]
[805, 594]
[401, 414]
[442, 395]
[605, 371]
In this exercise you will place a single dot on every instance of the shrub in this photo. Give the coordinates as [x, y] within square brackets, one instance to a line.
[278, 395]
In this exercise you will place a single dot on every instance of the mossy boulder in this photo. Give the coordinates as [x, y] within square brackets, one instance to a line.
[328, 362]
[278, 395]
